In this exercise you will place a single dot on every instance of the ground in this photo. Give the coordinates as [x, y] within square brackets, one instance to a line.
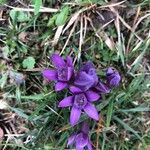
[108, 33]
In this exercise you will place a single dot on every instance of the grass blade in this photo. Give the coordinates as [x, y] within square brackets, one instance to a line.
[109, 113]
[38, 4]
[137, 109]
[127, 127]
[20, 112]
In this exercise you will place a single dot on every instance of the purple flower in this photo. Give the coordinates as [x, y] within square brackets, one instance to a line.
[81, 139]
[87, 77]
[80, 101]
[113, 77]
[62, 73]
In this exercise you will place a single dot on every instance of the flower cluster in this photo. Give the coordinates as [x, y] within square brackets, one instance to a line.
[85, 88]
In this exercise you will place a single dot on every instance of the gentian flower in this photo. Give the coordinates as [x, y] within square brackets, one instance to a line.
[113, 77]
[81, 139]
[62, 73]
[80, 101]
[87, 77]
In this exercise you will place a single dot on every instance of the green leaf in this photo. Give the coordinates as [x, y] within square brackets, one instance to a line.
[2, 2]
[120, 49]
[20, 112]
[52, 20]
[104, 141]
[29, 63]
[137, 109]
[38, 4]
[3, 80]
[19, 16]
[18, 95]
[33, 97]
[62, 17]
[109, 113]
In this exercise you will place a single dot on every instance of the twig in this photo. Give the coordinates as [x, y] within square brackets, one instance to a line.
[57, 35]
[22, 3]
[124, 23]
[12, 135]
[142, 18]
[85, 27]
[42, 9]
[112, 5]
[81, 37]
[133, 28]
[1, 19]
[72, 30]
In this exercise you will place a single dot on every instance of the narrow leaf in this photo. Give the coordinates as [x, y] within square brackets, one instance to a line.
[38, 4]
[62, 16]
[109, 113]
[137, 109]
[33, 97]
[20, 112]
[127, 127]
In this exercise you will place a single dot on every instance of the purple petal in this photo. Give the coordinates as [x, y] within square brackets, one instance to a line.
[84, 81]
[109, 71]
[89, 145]
[85, 128]
[83, 78]
[68, 101]
[70, 72]
[92, 96]
[115, 80]
[69, 61]
[60, 86]
[75, 90]
[103, 88]
[79, 148]
[113, 77]
[87, 67]
[75, 115]
[81, 140]
[71, 139]
[57, 61]
[91, 111]
[90, 70]
[50, 74]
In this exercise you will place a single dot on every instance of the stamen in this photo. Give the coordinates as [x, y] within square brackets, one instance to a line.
[80, 101]
[62, 74]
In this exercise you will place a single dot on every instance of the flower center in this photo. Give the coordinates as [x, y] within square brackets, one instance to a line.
[62, 74]
[80, 101]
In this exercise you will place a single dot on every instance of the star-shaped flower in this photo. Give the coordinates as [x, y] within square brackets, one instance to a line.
[62, 73]
[81, 102]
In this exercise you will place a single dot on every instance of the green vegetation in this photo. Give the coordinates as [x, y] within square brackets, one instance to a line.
[109, 34]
